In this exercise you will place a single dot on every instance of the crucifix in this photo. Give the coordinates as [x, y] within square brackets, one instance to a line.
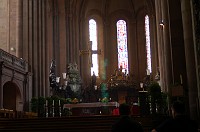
[90, 52]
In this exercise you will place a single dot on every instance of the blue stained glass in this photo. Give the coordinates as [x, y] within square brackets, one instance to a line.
[122, 45]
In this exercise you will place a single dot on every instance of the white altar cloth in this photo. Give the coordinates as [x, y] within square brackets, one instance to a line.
[91, 105]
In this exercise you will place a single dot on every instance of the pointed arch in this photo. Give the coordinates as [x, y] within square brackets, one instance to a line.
[94, 46]
[122, 45]
[148, 46]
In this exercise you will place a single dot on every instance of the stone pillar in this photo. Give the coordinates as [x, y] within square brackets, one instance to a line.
[167, 47]
[35, 55]
[190, 57]
[1, 85]
[67, 30]
[160, 41]
[19, 29]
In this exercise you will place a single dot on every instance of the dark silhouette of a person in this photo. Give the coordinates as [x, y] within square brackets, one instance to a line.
[179, 122]
[126, 123]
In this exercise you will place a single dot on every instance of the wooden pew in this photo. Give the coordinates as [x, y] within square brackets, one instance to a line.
[6, 113]
[68, 124]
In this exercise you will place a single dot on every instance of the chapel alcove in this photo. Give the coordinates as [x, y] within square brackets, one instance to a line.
[12, 98]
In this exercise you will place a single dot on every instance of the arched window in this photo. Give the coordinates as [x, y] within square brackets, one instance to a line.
[93, 39]
[122, 45]
[148, 46]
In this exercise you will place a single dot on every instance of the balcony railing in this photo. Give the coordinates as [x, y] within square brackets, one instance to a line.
[13, 61]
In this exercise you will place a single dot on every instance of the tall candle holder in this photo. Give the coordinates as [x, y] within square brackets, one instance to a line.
[53, 109]
[60, 112]
[46, 109]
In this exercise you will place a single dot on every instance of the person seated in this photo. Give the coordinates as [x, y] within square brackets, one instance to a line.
[126, 123]
[179, 121]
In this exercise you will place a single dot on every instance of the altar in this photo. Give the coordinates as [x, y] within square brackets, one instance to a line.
[95, 108]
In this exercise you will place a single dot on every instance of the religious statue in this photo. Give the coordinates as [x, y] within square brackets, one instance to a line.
[119, 74]
[52, 74]
[94, 78]
[157, 77]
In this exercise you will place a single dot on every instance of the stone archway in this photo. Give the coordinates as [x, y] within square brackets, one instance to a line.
[15, 83]
[12, 98]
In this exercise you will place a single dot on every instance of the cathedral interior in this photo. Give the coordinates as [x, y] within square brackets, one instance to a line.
[135, 42]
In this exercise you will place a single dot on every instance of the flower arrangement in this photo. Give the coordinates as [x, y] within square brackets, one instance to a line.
[104, 100]
[68, 100]
[75, 101]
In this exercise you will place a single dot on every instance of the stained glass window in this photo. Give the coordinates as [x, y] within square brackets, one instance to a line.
[93, 39]
[122, 45]
[148, 47]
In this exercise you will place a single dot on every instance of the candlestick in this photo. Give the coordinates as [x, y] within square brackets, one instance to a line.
[181, 79]
[64, 75]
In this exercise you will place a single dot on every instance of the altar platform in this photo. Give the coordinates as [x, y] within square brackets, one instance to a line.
[95, 108]
[98, 108]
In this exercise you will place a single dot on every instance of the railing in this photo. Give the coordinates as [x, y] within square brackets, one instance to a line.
[13, 61]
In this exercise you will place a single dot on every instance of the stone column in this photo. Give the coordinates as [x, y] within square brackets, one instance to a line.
[19, 29]
[35, 55]
[1, 85]
[167, 47]
[190, 57]
[160, 41]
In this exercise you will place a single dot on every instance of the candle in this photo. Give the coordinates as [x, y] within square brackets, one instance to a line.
[141, 85]
[95, 87]
[53, 102]
[148, 72]
[181, 79]
[64, 75]
[59, 102]
[46, 102]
